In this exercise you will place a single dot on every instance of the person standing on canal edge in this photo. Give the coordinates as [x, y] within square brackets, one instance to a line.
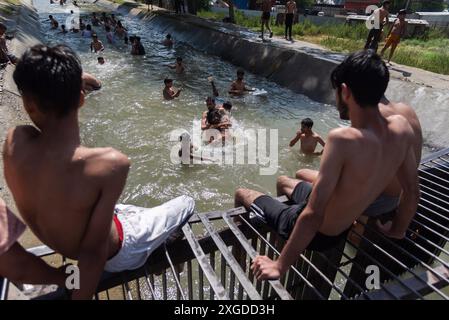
[380, 19]
[266, 15]
[290, 12]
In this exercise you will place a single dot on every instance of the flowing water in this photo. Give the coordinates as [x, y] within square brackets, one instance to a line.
[129, 114]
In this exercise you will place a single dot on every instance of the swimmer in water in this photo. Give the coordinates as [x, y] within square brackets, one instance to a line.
[53, 22]
[308, 138]
[96, 45]
[63, 29]
[109, 35]
[95, 21]
[100, 60]
[90, 83]
[168, 92]
[238, 86]
[168, 41]
[179, 66]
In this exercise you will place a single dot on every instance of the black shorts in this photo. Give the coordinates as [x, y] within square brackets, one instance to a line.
[289, 19]
[282, 217]
[265, 16]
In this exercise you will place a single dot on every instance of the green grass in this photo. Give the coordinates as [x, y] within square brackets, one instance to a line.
[429, 51]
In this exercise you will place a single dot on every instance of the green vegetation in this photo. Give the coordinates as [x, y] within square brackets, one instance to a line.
[429, 51]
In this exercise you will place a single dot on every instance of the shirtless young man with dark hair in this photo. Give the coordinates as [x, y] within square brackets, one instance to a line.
[357, 165]
[67, 193]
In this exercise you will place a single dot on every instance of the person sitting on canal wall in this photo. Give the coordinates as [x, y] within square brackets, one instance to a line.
[96, 45]
[5, 56]
[168, 41]
[71, 204]
[238, 86]
[309, 139]
[18, 265]
[178, 66]
[358, 163]
[168, 92]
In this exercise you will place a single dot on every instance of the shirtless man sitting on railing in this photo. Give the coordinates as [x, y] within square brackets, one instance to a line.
[68, 193]
[357, 165]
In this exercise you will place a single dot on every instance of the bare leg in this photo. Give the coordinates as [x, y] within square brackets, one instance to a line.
[286, 185]
[245, 197]
[307, 175]
[387, 45]
[393, 48]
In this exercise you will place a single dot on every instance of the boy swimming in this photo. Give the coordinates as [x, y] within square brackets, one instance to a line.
[168, 92]
[308, 138]
[96, 45]
[178, 66]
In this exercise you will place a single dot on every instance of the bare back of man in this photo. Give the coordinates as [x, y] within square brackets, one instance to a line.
[58, 187]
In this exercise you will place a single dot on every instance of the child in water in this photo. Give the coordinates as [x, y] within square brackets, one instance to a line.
[309, 139]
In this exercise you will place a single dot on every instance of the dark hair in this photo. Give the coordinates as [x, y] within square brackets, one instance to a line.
[62, 26]
[89, 27]
[366, 74]
[100, 58]
[107, 28]
[50, 16]
[168, 36]
[137, 39]
[167, 80]
[227, 105]
[51, 76]
[307, 122]
[178, 59]
[213, 116]
[385, 2]
[240, 71]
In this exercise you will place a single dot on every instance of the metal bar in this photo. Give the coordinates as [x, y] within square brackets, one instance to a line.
[430, 229]
[190, 279]
[270, 254]
[431, 221]
[223, 270]
[203, 264]
[433, 190]
[435, 167]
[233, 264]
[330, 263]
[164, 285]
[252, 253]
[425, 277]
[277, 252]
[376, 262]
[212, 264]
[435, 197]
[439, 164]
[432, 175]
[200, 283]
[174, 272]
[408, 253]
[149, 281]
[128, 291]
[358, 266]
[432, 182]
[397, 261]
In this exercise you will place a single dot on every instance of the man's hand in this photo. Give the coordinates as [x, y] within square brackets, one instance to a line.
[265, 269]
[387, 230]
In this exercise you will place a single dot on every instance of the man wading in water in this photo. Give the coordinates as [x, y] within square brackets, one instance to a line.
[68, 193]
[358, 163]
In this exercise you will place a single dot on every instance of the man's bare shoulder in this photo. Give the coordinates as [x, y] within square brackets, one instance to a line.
[103, 161]
[400, 125]
[343, 134]
[18, 136]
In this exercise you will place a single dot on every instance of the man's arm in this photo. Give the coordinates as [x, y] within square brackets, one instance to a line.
[94, 245]
[320, 141]
[20, 266]
[408, 178]
[311, 218]
[295, 139]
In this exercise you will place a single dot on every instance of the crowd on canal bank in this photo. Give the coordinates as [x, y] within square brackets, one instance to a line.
[367, 168]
